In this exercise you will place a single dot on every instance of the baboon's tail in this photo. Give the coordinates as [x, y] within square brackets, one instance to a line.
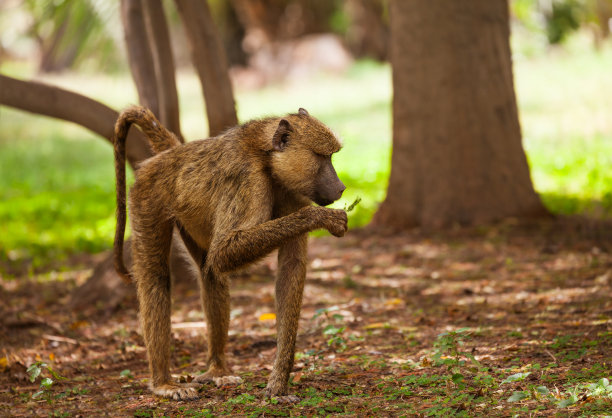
[160, 140]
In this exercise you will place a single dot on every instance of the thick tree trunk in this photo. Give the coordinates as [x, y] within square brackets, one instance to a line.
[457, 153]
[159, 40]
[62, 104]
[211, 64]
[139, 54]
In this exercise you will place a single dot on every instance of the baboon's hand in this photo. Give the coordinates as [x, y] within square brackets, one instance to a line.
[335, 221]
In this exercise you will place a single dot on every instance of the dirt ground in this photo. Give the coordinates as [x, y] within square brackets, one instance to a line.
[509, 320]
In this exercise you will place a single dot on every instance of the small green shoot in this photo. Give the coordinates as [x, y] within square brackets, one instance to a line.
[448, 351]
[518, 396]
[35, 371]
[241, 399]
[515, 377]
[337, 339]
[352, 206]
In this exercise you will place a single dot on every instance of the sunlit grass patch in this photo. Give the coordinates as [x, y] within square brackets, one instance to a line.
[57, 194]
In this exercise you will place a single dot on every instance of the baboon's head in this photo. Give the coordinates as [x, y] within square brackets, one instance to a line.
[301, 161]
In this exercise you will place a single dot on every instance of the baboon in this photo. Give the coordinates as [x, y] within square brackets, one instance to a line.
[234, 198]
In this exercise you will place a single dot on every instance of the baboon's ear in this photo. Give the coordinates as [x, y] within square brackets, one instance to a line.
[281, 136]
[303, 112]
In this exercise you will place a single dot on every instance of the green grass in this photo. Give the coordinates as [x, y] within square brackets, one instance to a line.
[57, 181]
[565, 103]
[56, 190]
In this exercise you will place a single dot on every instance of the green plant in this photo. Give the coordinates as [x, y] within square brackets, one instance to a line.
[72, 392]
[204, 413]
[242, 399]
[35, 371]
[337, 340]
[310, 397]
[310, 357]
[517, 377]
[334, 330]
[447, 351]
[144, 413]
[601, 388]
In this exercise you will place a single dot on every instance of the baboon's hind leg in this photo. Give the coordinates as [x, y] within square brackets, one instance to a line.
[151, 246]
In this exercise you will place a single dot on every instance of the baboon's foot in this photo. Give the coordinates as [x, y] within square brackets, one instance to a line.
[227, 381]
[277, 390]
[178, 392]
[221, 377]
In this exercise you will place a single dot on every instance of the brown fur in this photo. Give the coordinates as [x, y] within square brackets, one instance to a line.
[160, 140]
[234, 198]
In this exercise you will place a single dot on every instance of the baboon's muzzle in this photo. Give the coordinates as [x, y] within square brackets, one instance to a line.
[329, 194]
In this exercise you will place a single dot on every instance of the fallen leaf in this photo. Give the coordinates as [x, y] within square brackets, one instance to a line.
[518, 396]
[79, 324]
[267, 316]
[297, 377]
[379, 325]
[394, 302]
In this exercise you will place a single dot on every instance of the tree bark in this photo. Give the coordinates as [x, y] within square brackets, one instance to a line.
[49, 49]
[62, 104]
[368, 32]
[106, 290]
[159, 41]
[211, 64]
[457, 153]
[604, 14]
[140, 56]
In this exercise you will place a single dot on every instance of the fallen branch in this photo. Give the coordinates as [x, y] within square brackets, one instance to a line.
[189, 325]
[60, 339]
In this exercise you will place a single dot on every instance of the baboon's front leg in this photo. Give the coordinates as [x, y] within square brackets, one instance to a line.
[242, 246]
[214, 289]
[289, 289]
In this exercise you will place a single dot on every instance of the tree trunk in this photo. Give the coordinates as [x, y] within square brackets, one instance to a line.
[104, 285]
[604, 14]
[49, 49]
[211, 64]
[231, 32]
[368, 33]
[457, 152]
[159, 41]
[139, 54]
[62, 104]
[105, 290]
